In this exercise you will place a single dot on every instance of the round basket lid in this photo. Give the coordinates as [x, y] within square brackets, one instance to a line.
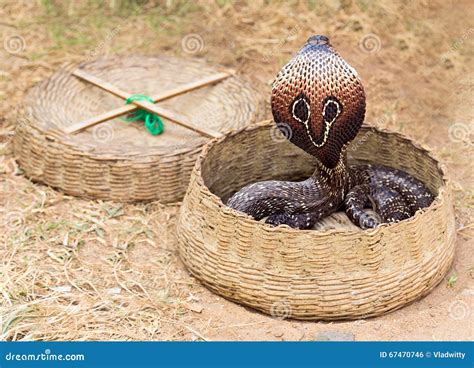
[120, 160]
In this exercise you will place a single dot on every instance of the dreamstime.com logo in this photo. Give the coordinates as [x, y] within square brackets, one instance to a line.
[457, 44]
[14, 44]
[13, 220]
[281, 309]
[459, 310]
[289, 36]
[281, 132]
[360, 141]
[461, 133]
[103, 133]
[47, 356]
[370, 43]
[108, 38]
[192, 43]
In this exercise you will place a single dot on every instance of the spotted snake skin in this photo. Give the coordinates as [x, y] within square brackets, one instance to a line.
[320, 99]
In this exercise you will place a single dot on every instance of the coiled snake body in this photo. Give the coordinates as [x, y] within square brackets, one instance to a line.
[321, 99]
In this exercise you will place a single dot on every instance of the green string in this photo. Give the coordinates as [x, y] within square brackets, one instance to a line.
[153, 123]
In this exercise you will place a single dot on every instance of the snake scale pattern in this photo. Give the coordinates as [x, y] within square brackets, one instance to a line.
[320, 98]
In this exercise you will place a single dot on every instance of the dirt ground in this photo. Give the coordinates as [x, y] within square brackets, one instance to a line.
[75, 269]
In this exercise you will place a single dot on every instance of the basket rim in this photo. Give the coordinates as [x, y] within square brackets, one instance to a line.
[436, 204]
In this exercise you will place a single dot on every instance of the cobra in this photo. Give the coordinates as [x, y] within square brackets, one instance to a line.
[319, 98]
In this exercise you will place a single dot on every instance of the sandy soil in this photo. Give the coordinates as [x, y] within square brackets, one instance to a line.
[78, 270]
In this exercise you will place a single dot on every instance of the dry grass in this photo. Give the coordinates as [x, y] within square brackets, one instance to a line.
[83, 270]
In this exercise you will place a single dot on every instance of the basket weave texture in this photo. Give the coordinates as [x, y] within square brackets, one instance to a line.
[117, 160]
[323, 274]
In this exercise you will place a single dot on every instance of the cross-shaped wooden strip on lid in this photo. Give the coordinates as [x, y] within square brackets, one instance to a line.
[145, 105]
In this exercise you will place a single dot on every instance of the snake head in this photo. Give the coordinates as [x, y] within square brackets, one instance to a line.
[318, 101]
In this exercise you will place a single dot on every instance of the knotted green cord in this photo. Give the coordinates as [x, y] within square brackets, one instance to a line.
[153, 123]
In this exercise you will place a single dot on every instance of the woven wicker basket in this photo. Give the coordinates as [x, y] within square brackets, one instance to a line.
[117, 160]
[323, 274]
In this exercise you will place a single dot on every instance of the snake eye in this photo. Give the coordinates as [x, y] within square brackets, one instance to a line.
[300, 109]
[331, 109]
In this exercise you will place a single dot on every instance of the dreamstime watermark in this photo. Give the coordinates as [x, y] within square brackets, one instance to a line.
[43, 357]
[14, 44]
[103, 133]
[3, 147]
[109, 37]
[362, 138]
[290, 35]
[461, 133]
[370, 43]
[458, 43]
[360, 141]
[24, 119]
[281, 309]
[189, 219]
[13, 220]
[192, 43]
[459, 310]
[419, 7]
[281, 132]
